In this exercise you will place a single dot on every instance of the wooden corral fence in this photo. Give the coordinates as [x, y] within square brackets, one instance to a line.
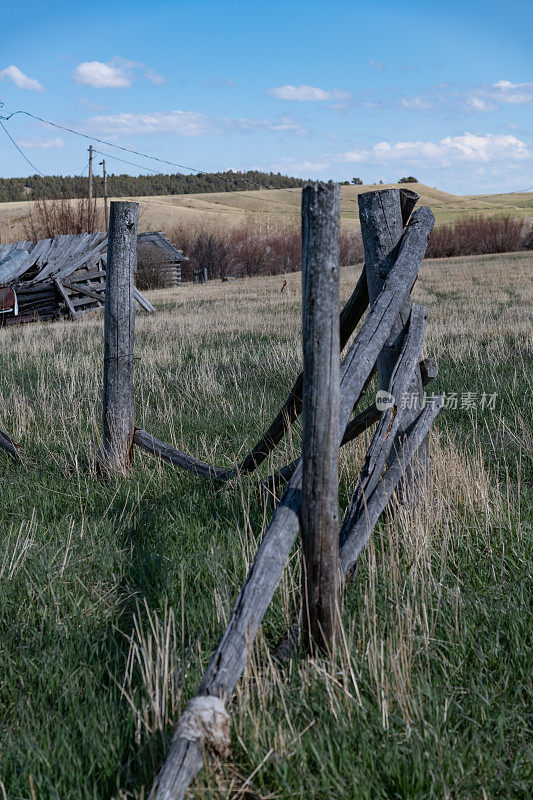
[327, 394]
[390, 341]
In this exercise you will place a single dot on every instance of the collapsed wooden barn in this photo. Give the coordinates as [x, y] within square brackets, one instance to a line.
[63, 276]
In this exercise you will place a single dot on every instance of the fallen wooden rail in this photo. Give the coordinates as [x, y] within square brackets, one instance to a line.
[350, 317]
[173, 456]
[8, 445]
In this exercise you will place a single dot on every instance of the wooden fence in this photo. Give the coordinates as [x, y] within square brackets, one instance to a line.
[327, 393]
[389, 341]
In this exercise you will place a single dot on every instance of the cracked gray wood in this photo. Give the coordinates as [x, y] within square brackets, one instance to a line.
[320, 412]
[119, 324]
[350, 317]
[359, 534]
[392, 418]
[382, 215]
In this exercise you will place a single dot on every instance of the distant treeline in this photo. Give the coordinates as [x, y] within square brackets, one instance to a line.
[52, 187]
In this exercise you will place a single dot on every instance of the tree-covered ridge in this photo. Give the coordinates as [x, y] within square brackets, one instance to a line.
[51, 187]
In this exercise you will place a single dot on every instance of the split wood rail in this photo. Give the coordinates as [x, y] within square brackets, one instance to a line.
[389, 341]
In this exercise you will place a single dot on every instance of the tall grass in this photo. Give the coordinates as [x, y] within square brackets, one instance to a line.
[113, 594]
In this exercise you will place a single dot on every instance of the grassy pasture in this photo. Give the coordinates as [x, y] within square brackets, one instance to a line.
[280, 206]
[113, 594]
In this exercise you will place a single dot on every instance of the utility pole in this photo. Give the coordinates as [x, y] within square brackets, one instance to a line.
[89, 220]
[102, 163]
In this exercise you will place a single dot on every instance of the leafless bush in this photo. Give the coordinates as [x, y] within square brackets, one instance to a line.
[49, 218]
[478, 235]
[257, 247]
[150, 269]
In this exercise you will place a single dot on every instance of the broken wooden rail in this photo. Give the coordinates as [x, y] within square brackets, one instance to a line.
[356, 426]
[8, 445]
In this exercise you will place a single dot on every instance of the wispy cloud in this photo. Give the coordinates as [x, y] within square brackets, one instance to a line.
[483, 98]
[307, 94]
[21, 80]
[154, 77]
[42, 144]
[466, 148]
[415, 104]
[307, 167]
[376, 64]
[507, 92]
[186, 123]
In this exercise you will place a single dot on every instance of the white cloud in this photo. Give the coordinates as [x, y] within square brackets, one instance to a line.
[283, 124]
[468, 147]
[479, 104]
[101, 76]
[310, 166]
[305, 94]
[482, 98]
[415, 104]
[186, 123]
[376, 64]
[42, 144]
[154, 77]
[519, 93]
[117, 73]
[181, 123]
[21, 80]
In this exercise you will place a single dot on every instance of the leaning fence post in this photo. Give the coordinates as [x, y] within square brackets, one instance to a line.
[119, 324]
[320, 443]
[383, 215]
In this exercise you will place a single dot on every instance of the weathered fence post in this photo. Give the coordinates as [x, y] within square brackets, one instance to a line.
[119, 327]
[383, 215]
[320, 442]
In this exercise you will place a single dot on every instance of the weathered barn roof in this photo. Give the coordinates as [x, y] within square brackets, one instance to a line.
[66, 275]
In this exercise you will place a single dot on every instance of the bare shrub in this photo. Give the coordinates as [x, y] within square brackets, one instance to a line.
[477, 235]
[150, 269]
[351, 248]
[258, 247]
[49, 218]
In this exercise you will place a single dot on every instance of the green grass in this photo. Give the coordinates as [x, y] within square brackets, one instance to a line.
[427, 696]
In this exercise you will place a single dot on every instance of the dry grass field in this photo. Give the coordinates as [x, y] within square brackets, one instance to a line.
[114, 594]
[279, 205]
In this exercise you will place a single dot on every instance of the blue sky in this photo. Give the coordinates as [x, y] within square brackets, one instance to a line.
[442, 91]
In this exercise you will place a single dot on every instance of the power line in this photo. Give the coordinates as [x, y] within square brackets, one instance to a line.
[103, 141]
[116, 158]
[25, 157]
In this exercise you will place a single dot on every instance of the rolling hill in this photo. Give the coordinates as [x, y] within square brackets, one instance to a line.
[277, 206]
